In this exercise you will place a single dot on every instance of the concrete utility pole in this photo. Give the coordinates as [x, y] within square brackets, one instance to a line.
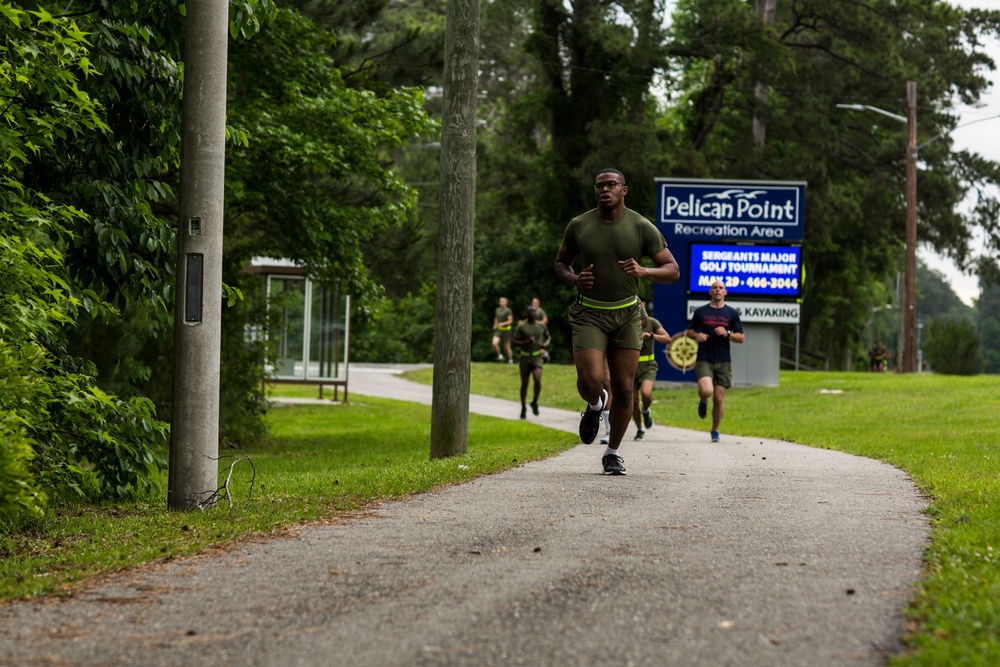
[194, 429]
[910, 309]
[457, 205]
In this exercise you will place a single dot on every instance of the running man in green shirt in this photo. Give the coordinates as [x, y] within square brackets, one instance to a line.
[610, 242]
[503, 324]
[645, 373]
[531, 338]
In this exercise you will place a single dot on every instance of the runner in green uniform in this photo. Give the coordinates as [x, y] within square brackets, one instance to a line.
[610, 241]
[645, 373]
[531, 338]
[544, 319]
[503, 324]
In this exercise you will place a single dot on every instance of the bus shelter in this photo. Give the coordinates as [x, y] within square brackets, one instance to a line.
[310, 326]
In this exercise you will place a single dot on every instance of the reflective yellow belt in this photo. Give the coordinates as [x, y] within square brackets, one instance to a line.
[531, 354]
[648, 357]
[607, 305]
[506, 328]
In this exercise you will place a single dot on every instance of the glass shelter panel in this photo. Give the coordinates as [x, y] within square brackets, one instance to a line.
[327, 333]
[287, 309]
[309, 325]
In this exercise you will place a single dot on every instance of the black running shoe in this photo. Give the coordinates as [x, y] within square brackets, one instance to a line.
[534, 408]
[639, 434]
[524, 412]
[702, 409]
[647, 419]
[590, 421]
[613, 464]
[590, 424]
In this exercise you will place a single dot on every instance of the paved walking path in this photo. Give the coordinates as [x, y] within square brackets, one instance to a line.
[747, 552]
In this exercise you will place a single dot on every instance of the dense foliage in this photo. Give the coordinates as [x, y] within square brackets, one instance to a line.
[568, 89]
[90, 161]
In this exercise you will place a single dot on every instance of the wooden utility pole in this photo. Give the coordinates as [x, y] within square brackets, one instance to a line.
[766, 9]
[194, 427]
[457, 206]
[909, 364]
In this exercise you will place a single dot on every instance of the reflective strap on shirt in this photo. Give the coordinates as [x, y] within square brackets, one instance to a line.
[606, 305]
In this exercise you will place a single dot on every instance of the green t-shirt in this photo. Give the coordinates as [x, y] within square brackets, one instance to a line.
[526, 330]
[652, 325]
[604, 244]
[502, 315]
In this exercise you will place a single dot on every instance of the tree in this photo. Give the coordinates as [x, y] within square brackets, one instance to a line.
[817, 54]
[450, 409]
[74, 437]
[988, 325]
[936, 298]
[951, 347]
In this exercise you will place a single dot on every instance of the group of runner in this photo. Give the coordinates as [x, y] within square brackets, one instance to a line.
[613, 334]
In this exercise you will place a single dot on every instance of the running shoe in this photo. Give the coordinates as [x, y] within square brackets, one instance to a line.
[613, 464]
[639, 434]
[499, 357]
[647, 419]
[606, 440]
[590, 423]
[702, 409]
[715, 436]
[524, 412]
[534, 408]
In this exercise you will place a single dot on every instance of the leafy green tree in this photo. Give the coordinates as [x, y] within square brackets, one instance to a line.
[818, 54]
[317, 181]
[936, 298]
[952, 347]
[82, 440]
[988, 325]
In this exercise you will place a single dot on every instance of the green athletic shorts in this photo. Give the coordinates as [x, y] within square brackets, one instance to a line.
[599, 329]
[503, 334]
[527, 363]
[721, 373]
[646, 370]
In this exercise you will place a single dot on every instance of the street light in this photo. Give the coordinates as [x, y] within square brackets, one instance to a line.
[910, 307]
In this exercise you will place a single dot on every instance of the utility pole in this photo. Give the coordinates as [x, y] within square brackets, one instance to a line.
[910, 309]
[194, 428]
[766, 9]
[453, 310]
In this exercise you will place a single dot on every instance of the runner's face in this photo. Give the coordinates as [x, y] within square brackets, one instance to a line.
[717, 292]
[609, 197]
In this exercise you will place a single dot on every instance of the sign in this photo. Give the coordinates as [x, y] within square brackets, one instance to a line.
[758, 311]
[737, 210]
[767, 271]
[681, 351]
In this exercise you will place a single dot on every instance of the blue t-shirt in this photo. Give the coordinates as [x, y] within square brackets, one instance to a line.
[716, 349]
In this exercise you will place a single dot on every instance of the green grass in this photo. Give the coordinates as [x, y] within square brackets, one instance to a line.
[322, 461]
[942, 430]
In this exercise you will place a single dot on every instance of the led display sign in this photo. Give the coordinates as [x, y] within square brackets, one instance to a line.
[766, 271]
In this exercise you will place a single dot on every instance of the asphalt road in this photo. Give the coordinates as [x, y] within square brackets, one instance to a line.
[746, 552]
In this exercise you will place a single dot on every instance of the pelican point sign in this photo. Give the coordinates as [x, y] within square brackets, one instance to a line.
[742, 211]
